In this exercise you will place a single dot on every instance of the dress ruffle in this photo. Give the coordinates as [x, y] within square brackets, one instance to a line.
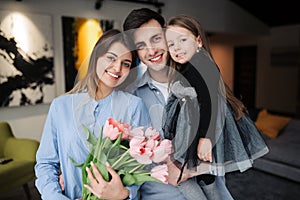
[236, 145]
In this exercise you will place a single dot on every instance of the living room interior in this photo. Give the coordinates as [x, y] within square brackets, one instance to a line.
[267, 81]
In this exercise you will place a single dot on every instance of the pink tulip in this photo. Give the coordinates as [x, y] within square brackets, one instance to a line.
[167, 144]
[160, 172]
[112, 129]
[151, 143]
[125, 129]
[137, 141]
[162, 151]
[152, 133]
[137, 132]
[139, 151]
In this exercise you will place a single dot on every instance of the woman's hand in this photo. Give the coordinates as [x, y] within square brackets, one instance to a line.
[204, 149]
[113, 189]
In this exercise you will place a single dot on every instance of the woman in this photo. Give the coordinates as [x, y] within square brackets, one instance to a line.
[89, 103]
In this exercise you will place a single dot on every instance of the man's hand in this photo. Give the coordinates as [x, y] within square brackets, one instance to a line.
[61, 182]
[174, 173]
[204, 149]
[113, 189]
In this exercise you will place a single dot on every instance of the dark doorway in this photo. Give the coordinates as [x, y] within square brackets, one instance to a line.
[245, 74]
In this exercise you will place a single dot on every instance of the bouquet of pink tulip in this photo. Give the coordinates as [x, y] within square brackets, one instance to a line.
[128, 151]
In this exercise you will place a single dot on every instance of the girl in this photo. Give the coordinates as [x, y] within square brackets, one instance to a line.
[89, 103]
[228, 139]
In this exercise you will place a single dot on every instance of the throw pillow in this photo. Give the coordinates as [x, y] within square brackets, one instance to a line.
[270, 124]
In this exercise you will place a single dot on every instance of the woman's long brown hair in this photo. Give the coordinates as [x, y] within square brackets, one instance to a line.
[90, 82]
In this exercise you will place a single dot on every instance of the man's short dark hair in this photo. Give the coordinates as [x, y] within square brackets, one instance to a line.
[138, 17]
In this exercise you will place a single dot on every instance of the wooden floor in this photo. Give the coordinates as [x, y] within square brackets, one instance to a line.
[249, 185]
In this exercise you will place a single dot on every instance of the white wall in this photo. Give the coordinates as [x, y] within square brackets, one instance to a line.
[220, 16]
[278, 84]
[216, 16]
[277, 87]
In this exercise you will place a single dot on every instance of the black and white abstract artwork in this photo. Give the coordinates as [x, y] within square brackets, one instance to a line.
[26, 59]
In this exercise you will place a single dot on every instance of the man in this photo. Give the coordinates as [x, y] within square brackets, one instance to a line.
[146, 29]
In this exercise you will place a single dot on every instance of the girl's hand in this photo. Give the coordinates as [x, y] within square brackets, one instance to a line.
[204, 149]
[113, 189]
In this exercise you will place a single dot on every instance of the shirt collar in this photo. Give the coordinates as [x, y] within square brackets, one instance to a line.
[144, 80]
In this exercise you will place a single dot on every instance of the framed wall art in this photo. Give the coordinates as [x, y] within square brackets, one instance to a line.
[26, 59]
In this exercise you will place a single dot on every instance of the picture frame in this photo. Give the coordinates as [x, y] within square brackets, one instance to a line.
[26, 59]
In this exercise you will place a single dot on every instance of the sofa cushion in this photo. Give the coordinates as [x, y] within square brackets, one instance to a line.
[284, 152]
[278, 169]
[14, 170]
[283, 157]
[286, 147]
[270, 124]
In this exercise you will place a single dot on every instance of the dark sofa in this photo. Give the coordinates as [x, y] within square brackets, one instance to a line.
[284, 149]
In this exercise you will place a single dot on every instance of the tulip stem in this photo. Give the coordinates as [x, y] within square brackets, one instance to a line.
[120, 159]
[137, 167]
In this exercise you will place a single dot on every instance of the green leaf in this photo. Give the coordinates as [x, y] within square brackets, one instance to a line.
[138, 167]
[101, 158]
[84, 172]
[140, 179]
[75, 163]
[121, 172]
[88, 160]
[132, 167]
[107, 144]
[120, 160]
[141, 171]
[118, 141]
[128, 179]
[92, 140]
[103, 171]
[114, 152]
[98, 146]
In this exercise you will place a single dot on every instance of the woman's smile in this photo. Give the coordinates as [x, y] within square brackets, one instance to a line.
[113, 75]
